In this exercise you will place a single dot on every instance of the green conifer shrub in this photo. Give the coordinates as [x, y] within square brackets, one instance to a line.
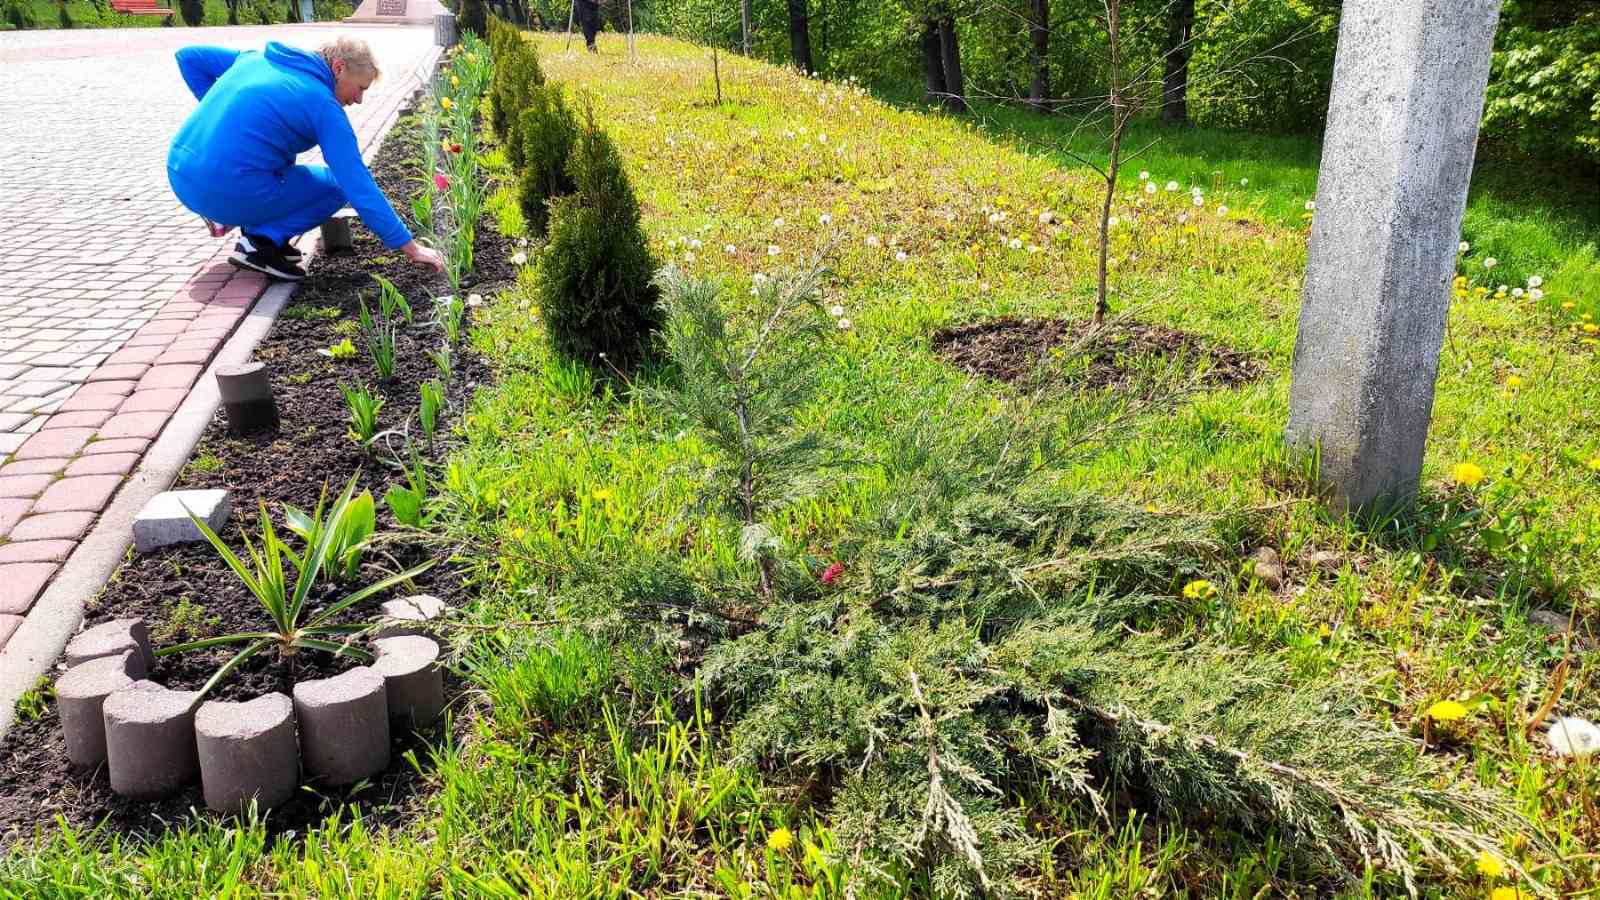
[524, 78]
[193, 12]
[549, 130]
[473, 17]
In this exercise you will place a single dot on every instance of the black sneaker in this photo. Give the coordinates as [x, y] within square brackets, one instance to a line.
[262, 255]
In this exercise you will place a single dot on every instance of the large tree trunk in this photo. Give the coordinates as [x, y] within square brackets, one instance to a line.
[744, 22]
[932, 63]
[1175, 81]
[950, 50]
[800, 36]
[1040, 93]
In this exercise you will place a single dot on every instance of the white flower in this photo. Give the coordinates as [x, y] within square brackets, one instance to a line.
[522, 242]
[836, 310]
[994, 218]
[729, 248]
[901, 256]
[695, 244]
[519, 259]
[1535, 294]
[1144, 176]
[773, 250]
[1033, 248]
[1490, 263]
[759, 278]
[844, 324]
[822, 139]
[1573, 737]
[1015, 243]
[1111, 222]
[474, 299]
[983, 287]
[1311, 205]
[1516, 292]
[688, 257]
[1172, 186]
[778, 222]
[1222, 210]
[1463, 247]
[872, 240]
[824, 219]
[1199, 200]
[1150, 187]
[1182, 218]
[1535, 281]
[1046, 217]
[1243, 182]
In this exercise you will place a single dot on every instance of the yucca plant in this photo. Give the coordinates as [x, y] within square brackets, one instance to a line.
[294, 627]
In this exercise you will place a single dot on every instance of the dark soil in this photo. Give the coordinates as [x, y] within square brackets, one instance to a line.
[1007, 349]
[188, 593]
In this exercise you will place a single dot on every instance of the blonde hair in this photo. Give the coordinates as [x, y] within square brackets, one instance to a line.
[355, 53]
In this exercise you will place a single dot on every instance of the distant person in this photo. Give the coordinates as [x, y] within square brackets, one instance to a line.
[234, 159]
[589, 21]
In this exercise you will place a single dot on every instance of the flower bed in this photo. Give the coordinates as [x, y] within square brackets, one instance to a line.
[188, 593]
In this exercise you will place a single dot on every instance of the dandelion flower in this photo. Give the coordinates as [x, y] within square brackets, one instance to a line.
[1150, 187]
[1594, 464]
[1244, 182]
[1574, 737]
[778, 222]
[445, 103]
[1517, 293]
[474, 299]
[1568, 304]
[1468, 474]
[1446, 711]
[901, 256]
[1199, 200]
[1199, 590]
[1463, 247]
[1324, 632]
[519, 258]
[1535, 294]
[1535, 281]
[695, 244]
[602, 493]
[1509, 893]
[1311, 205]
[983, 288]
[844, 324]
[1144, 176]
[1514, 382]
[1172, 186]
[1490, 263]
[780, 840]
[773, 250]
[836, 310]
[1489, 865]
[1015, 243]
[1591, 328]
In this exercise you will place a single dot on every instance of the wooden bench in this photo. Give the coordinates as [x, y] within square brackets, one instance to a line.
[140, 8]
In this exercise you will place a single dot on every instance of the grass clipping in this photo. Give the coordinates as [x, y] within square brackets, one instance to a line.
[994, 637]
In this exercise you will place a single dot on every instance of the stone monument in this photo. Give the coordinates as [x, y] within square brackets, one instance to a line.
[398, 12]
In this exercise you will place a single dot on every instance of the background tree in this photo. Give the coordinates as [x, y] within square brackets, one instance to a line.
[800, 36]
[1175, 82]
[192, 11]
[1039, 31]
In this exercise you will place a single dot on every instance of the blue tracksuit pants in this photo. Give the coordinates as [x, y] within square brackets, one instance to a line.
[276, 206]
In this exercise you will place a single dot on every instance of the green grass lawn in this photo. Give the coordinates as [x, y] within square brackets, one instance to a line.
[598, 760]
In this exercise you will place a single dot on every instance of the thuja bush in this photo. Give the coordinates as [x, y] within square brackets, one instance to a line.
[193, 11]
[549, 131]
[472, 17]
[595, 274]
[517, 77]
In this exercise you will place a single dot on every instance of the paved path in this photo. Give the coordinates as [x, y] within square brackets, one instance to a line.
[112, 296]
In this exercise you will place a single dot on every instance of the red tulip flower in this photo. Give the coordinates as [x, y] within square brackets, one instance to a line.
[440, 182]
[832, 573]
[455, 148]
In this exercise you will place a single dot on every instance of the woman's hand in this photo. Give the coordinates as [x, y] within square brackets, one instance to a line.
[426, 256]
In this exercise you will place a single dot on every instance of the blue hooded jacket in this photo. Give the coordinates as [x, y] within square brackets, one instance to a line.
[257, 112]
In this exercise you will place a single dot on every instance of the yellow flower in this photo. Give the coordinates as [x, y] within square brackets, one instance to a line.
[1468, 474]
[1489, 865]
[1591, 328]
[1324, 632]
[780, 840]
[1508, 893]
[1594, 464]
[454, 81]
[602, 493]
[1151, 507]
[1514, 382]
[445, 102]
[1568, 305]
[472, 57]
[1446, 711]
[1199, 590]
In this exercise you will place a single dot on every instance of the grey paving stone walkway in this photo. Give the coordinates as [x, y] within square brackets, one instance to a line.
[112, 296]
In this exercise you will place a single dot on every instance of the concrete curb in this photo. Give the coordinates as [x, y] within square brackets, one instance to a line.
[54, 618]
